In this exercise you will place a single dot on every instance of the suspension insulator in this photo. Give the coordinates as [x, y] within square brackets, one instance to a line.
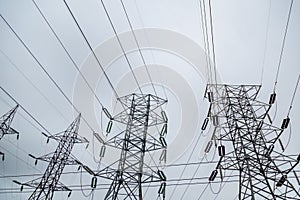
[163, 155]
[204, 125]
[162, 188]
[272, 98]
[208, 146]
[94, 182]
[102, 151]
[109, 125]
[281, 181]
[163, 130]
[163, 141]
[221, 150]
[69, 194]
[213, 175]
[107, 113]
[161, 175]
[215, 120]
[164, 116]
[21, 189]
[221, 173]
[285, 123]
[210, 96]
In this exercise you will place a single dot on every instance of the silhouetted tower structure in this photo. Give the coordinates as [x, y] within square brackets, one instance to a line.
[130, 172]
[5, 125]
[6, 120]
[240, 119]
[49, 182]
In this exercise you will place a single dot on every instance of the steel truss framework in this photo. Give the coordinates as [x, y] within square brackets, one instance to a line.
[49, 182]
[241, 120]
[5, 123]
[130, 172]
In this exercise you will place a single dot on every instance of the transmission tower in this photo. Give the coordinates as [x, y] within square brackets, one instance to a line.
[6, 120]
[136, 142]
[243, 121]
[49, 182]
[5, 127]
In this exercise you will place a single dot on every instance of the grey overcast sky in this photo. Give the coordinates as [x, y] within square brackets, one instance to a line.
[247, 36]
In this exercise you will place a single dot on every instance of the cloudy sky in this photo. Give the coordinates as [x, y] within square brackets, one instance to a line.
[41, 73]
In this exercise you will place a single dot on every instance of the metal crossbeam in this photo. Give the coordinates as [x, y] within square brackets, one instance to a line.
[241, 120]
[5, 123]
[49, 182]
[135, 142]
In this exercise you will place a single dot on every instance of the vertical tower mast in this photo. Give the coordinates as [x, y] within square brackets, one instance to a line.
[49, 182]
[135, 143]
[240, 119]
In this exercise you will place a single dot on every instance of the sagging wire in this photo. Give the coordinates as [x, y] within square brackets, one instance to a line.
[81, 186]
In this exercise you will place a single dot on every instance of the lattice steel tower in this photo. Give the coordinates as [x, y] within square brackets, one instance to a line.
[240, 119]
[130, 172]
[49, 182]
[5, 125]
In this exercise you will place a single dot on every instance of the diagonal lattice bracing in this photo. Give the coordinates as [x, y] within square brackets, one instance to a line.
[130, 172]
[5, 123]
[242, 125]
[49, 182]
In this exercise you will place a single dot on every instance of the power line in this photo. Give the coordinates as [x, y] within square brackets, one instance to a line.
[121, 46]
[45, 71]
[205, 40]
[212, 41]
[91, 49]
[147, 39]
[66, 51]
[283, 44]
[189, 158]
[32, 84]
[138, 46]
[266, 41]
[294, 94]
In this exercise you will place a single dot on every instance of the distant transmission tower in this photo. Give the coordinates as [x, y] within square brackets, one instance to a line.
[49, 183]
[5, 126]
[241, 120]
[6, 120]
[136, 143]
